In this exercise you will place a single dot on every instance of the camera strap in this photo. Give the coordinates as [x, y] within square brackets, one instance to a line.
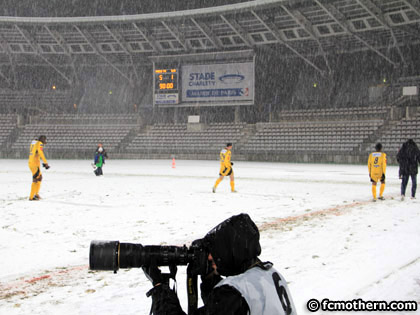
[192, 291]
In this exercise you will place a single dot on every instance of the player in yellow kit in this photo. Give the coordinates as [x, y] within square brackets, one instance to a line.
[377, 169]
[37, 153]
[226, 168]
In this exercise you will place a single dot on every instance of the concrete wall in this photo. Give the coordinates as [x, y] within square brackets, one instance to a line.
[296, 157]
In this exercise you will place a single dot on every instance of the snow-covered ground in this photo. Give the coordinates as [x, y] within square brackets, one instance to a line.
[318, 226]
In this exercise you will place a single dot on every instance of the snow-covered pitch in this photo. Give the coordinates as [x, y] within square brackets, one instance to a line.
[318, 226]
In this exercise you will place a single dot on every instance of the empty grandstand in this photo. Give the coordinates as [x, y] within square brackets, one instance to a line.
[176, 138]
[34, 101]
[406, 128]
[333, 136]
[76, 135]
[7, 127]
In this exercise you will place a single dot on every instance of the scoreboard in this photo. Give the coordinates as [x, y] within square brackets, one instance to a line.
[166, 86]
[192, 84]
[166, 80]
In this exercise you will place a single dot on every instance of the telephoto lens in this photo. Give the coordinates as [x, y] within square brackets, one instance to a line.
[112, 255]
[103, 255]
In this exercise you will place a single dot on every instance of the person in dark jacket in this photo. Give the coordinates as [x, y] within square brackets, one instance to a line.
[408, 158]
[250, 286]
[99, 161]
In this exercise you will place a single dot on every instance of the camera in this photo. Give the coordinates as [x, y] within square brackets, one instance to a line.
[112, 255]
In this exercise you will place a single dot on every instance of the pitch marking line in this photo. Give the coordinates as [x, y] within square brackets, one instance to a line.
[336, 210]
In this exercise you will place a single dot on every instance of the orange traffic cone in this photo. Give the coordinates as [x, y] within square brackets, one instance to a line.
[173, 163]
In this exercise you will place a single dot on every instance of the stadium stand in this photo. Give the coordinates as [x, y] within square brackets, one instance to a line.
[85, 119]
[371, 112]
[7, 127]
[175, 138]
[333, 55]
[74, 137]
[319, 136]
[393, 138]
[322, 132]
[16, 101]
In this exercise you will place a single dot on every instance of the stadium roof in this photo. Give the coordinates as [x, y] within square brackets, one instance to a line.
[63, 8]
[307, 29]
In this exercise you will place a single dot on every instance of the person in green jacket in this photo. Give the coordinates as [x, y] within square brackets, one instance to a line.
[99, 161]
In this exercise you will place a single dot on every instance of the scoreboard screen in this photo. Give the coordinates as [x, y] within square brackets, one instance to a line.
[166, 80]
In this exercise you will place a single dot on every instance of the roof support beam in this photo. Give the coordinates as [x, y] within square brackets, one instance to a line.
[414, 5]
[174, 31]
[339, 18]
[149, 38]
[238, 30]
[398, 48]
[85, 63]
[9, 55]
[208, 33]
[376, 12]
[307, 26]
[61, 41]
[38, 52]
[5, 78]
[273, 29]
[89, 38]
[120, 40]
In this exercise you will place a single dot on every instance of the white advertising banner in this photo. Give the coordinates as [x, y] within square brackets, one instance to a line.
[218, 82]
[410, 90]
[167, 98]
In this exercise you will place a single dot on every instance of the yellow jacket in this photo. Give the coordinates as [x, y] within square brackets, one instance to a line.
[377, 164]
[225, 165]
[36, 153]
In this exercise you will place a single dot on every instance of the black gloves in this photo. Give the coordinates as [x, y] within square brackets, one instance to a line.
[383, 177]
[164, 299]
[154, 274]
[207, 285]
[231, 163]
[45, 165]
